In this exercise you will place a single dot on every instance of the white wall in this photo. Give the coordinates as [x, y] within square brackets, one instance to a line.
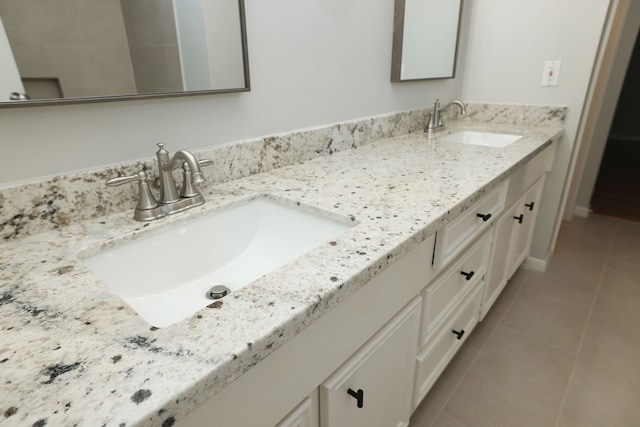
[508, 43]
[312, 63]
[319, 62]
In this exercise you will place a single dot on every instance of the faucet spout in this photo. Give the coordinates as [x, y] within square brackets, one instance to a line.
[435, 115]
[463, 109]
[166, 165]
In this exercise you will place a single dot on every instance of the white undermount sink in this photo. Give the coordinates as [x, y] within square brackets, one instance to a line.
[486, 139]
[165, 276]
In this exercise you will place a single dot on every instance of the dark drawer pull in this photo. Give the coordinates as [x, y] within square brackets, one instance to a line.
[458, 334]
[358, 395]
[519, 218]
[530, 205]
[484, 217]
[468, 275]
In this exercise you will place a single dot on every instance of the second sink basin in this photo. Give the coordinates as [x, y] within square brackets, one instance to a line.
[165, 276]
[487, 139]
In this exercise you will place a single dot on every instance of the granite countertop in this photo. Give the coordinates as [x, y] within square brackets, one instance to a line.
[73, 353]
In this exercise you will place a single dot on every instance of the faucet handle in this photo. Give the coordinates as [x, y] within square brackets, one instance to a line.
[205, 162]
[188, 185]
[119, 180]
[146, 200]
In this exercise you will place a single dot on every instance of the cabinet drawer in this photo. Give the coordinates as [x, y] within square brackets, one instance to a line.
[434, 357]
[462, 230]
[450, 288]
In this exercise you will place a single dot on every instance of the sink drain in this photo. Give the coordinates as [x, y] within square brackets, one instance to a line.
[217, 292]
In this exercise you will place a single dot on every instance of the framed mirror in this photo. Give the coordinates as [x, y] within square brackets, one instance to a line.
[66, 51]
[425, 39]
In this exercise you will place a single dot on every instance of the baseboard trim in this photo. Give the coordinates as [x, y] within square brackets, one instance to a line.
[534, 264]
[581, 211]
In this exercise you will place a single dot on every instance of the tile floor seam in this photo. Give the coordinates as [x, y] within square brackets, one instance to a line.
[539, 341]
[473, 360]
[450, 416]
[584, 330]
[453, 390]
[573, 283]
[610, 326]
[617, 270]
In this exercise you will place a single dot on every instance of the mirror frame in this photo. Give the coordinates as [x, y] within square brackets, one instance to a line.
[109, 98]
[398, 36]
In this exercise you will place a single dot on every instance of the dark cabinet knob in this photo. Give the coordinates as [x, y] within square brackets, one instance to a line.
[468, 275]
[458, 334]
[485, 217]
[358, 395]
[519, 218]
[530, 205]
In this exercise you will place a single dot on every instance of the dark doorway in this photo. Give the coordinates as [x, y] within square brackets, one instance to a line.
[617, 189]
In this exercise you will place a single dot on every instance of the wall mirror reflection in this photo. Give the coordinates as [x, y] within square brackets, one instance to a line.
[57, 51]
[425, 39]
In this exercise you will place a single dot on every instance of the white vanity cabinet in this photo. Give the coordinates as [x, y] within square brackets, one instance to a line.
[453, 285]
[475, 255]
[514, 229]
[451, 302]
[443, 344]
[512, 240]
[374, 387]
[384, 346]
[366, 342]
[529, 205]
[503, 236]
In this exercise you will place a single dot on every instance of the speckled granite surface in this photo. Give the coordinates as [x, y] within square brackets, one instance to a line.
[49, 205]
[72, 353]
[55, 203]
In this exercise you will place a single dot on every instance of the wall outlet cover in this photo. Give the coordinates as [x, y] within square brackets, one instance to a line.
[551, 72]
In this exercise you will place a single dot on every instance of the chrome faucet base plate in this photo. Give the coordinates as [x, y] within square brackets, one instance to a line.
[163, 210]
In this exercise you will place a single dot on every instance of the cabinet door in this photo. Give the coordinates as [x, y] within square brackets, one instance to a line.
[501, 256]
[304, 415]
[373, 388]
[529, 211]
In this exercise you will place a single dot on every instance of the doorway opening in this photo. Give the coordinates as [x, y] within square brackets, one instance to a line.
[617, 189]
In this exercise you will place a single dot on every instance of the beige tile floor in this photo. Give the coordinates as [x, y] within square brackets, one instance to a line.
[559, 349]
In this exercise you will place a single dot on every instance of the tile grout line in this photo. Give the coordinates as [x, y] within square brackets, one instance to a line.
[539, 341]
[473, 360]
[584, 330]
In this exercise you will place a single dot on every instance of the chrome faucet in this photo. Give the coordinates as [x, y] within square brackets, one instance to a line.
[166, 165]
[435, 115]
[170, 202]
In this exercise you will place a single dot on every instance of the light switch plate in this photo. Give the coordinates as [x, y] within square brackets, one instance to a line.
[551, 72]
